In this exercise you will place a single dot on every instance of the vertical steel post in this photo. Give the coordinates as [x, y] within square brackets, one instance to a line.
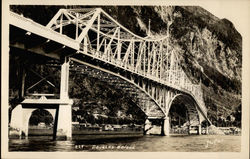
[61, 19]
[119, 45]
[98, 32]
[76, 36]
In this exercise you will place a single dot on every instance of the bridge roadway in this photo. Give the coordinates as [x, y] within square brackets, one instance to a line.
[94, 43]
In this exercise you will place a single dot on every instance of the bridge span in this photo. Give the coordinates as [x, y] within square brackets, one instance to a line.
[89, 41]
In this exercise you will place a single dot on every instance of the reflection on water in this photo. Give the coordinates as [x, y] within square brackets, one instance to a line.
[202, 143]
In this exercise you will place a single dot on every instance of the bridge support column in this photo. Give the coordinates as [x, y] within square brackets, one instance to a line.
[147, 127]
[20, 121]
[165, 127]
[64, 123]
[199, 129]
[26, 116]
[207, 130]
[16, 122]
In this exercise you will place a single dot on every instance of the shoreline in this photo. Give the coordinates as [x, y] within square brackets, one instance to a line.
[81, 134]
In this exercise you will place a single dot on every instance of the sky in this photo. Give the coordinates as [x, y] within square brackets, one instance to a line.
[236, 12]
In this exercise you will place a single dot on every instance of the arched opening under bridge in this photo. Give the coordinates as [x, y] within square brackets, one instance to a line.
[183, 115]
[41, 122]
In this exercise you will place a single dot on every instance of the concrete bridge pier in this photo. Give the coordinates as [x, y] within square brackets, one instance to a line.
[147, 127]
[25, 125]
[152, 128]
[17, 122]
[64, 123]
[60, 109]
[64, 126]
[199, 129]
[165, 129]
[207, 130]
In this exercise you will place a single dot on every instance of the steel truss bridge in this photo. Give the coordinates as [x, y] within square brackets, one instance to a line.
[90, 41]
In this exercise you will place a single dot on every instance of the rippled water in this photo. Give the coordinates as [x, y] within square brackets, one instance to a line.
[179, 143]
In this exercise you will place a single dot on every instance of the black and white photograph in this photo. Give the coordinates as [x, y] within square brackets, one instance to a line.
[92, 78]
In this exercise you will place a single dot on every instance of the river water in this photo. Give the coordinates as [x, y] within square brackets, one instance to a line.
[174, 143]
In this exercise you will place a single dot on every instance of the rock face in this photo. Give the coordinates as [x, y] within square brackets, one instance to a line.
[205, 40]
[210, 49]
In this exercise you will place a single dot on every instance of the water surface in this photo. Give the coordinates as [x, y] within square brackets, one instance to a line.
[173, 143]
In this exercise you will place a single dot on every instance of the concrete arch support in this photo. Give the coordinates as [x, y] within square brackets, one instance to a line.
[166, 127]
[26, 116]
[20, 118]
[16, 122]
[195, 117]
